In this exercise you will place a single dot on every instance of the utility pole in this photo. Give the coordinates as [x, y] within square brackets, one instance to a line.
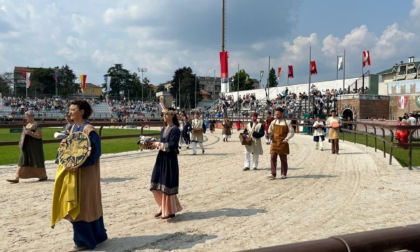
[142, 70]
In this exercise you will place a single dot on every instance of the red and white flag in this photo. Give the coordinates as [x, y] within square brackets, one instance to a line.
[366, 58]
[278, 72]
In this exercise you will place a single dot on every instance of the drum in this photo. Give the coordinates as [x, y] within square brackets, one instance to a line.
[335, 125]
[74, 150]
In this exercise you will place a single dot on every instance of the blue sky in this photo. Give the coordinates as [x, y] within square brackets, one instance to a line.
[162, 36]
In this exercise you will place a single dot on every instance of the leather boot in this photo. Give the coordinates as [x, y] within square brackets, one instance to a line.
[16, 180]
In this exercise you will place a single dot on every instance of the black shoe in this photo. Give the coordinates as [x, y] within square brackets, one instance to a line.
[246, 169]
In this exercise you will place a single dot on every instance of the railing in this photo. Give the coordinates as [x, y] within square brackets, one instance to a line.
[380, 131]
[391, 239]
[99, 125]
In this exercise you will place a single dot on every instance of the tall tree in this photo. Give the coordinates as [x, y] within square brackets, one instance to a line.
[42, 82]
[272, 78]
[66, 81]
[121, 81]
[245, 83]
[185, 88]
[6, 82]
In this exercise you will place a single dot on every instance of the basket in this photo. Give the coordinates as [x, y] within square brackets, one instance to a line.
[245, 139]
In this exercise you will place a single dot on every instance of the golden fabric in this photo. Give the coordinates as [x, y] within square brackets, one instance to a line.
[66, 197]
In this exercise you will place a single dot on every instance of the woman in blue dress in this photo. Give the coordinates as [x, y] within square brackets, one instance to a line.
[88, 226]
[165, 176]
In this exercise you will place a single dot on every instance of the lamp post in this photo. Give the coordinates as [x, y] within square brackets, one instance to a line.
[56, 80]
[142, 70]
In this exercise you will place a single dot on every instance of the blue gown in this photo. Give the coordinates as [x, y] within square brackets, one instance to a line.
[89, 234]
[165, 175]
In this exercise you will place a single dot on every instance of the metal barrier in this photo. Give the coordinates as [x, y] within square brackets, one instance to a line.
[98, 124]
[389, 239]
[371, 129]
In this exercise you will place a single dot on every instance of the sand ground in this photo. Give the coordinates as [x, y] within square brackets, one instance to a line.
[225, 208]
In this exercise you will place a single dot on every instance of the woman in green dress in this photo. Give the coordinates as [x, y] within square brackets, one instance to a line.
[31, 162]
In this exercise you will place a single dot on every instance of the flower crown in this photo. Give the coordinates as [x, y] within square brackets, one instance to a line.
[169, 112]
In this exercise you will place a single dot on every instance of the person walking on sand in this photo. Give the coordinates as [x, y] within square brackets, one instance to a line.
[77, 193]
[255, 131]
[226, 131]
[319, 134]
[280, 132]
[333, 123]
[165, 175]
[31, 162]
[198, 128]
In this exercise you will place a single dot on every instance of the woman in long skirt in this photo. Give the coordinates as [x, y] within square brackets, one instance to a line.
[165, 176]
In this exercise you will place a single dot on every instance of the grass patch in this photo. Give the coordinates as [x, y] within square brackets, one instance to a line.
[400, 155]
[10, 154]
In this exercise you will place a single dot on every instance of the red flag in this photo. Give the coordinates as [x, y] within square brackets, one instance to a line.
[366, 58]
[278, 72]
[83, 82]
[290, 75]
[224, 73]
[313, 68]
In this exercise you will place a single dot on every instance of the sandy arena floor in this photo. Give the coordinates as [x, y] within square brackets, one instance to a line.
[225, 208]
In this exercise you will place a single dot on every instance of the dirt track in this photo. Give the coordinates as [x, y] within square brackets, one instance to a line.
[225, 208]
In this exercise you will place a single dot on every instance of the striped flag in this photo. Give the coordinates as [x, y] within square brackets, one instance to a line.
[83, 82]
[366, 58]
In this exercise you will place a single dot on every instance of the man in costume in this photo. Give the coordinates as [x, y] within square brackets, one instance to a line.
[334, 123]
[280, 132]
[198, 129]
[256, 131]
[267, 125]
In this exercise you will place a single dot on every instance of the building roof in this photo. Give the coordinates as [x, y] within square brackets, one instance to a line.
[395, 67]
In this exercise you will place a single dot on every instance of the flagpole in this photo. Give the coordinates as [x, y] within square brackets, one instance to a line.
[268, 78]
[344, 68]
[337, 67]
[309, 83]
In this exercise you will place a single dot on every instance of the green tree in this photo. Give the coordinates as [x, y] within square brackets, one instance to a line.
[121, 80]
[6, 82]
[42, 82]
[66, 81]
[185, 88]
[245, 83]
[272, 78]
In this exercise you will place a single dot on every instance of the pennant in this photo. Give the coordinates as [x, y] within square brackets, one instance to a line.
[290, 74]
[340, 63]
[313, 68]
[55, 77]
[224, 71]
[107, 82]
[278, 72]
[28, 79]
[261, 74]
[366, 58]
[83, 82]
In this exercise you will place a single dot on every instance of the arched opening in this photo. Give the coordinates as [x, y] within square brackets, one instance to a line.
[347, 114]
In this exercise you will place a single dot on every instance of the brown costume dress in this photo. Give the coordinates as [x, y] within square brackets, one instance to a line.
[280, 148]
[31, 159]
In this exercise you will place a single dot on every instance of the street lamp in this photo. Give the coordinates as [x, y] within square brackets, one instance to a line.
[142, 70]
[56, 80]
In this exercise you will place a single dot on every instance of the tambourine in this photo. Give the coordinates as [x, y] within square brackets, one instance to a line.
[335, 125]
[74, 150]
[145, 142]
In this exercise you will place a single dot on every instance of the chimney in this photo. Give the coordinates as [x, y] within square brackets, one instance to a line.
[411, 59]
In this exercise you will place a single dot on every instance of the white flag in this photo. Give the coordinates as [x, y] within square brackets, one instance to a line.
[28, 80]
[340, 63]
